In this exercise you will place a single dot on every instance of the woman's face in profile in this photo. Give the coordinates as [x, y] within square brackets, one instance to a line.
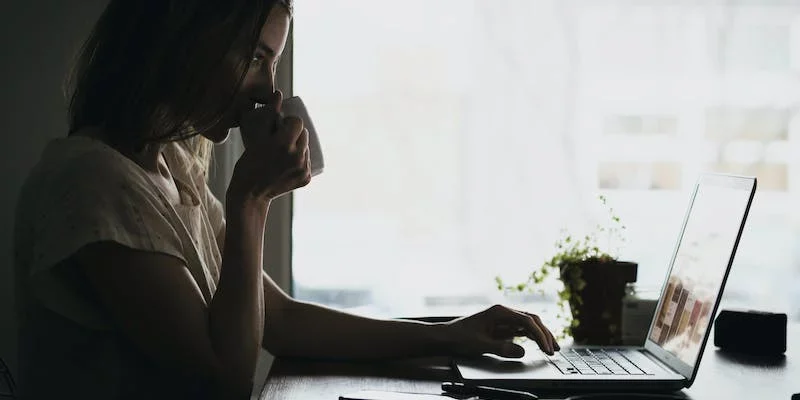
[259, 81]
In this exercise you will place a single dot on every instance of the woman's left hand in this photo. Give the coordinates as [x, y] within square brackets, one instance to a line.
[493, 330]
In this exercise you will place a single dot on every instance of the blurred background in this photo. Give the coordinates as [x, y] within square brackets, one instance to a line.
[462, 136]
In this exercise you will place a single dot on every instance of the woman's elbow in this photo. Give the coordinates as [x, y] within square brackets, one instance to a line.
[278, 330]
[275, 343]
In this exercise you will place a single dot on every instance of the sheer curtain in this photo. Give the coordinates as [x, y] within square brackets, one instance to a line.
[461, 137]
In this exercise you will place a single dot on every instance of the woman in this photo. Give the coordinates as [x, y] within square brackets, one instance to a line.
[134, 281]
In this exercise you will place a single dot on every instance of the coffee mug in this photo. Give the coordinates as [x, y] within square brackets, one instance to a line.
[294, 106]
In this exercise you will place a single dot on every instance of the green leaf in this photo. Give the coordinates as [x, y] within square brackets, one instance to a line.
[570, 255]
[498, 280]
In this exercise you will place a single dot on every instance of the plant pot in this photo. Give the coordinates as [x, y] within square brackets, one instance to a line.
[599, 313]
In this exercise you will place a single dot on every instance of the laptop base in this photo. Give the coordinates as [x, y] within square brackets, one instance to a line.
[537, 371]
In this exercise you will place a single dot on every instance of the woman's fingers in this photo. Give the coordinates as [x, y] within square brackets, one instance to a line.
[291, 128]
[505, 348]
[538, 321]
[301, 144]
[531, 329]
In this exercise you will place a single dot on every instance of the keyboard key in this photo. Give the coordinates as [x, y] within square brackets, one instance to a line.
[612, 365]
[582, 352]
[629, 366]
[631, 369]
[635, 371]
[562, 368]
[645, 367]
[620, 361]
[562, 364]
[620, 372]
[619, 358]
[603, 371]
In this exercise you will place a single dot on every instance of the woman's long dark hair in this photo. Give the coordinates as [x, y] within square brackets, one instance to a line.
[164, 70]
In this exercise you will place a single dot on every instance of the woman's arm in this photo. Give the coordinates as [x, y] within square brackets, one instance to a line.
[156, 302]
[237, 310]
[299, 329]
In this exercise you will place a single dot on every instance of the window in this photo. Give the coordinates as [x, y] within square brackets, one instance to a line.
[641, 176]
[641, 125]
[740, 123]
[461, 137]
[754, 47]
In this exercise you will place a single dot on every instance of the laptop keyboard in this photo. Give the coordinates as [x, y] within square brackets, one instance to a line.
[595, 362]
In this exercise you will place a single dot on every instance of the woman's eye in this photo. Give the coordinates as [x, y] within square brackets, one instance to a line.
[260, 60]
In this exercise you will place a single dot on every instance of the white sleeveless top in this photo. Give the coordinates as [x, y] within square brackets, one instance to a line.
[82, 191]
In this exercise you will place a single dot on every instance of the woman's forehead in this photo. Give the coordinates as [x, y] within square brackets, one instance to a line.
[276, 29]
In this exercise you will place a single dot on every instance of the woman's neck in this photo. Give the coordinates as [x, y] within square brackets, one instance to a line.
[148, 158]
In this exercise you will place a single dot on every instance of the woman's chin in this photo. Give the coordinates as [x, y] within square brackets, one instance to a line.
[218, 136]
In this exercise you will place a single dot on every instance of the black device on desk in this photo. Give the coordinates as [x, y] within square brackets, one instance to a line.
[735, 330]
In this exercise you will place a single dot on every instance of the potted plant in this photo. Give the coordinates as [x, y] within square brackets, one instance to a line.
[593, 279]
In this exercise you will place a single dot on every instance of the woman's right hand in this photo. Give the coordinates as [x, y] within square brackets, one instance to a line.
[276, 156]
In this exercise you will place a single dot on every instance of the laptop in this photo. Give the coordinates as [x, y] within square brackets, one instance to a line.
[690, 295]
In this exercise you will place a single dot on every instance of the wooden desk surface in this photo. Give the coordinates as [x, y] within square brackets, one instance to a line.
[721, 376]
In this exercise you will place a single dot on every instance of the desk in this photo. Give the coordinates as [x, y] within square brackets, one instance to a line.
[721, 376]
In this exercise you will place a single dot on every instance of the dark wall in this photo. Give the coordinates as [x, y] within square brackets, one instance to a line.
[39, 39]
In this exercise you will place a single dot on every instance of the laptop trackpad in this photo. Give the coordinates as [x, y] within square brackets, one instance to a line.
[507, 368]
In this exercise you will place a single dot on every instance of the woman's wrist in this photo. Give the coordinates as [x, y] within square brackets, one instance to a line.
[245, 207]
[440, 339]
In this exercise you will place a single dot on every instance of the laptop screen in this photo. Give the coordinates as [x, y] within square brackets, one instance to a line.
[699, 266]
